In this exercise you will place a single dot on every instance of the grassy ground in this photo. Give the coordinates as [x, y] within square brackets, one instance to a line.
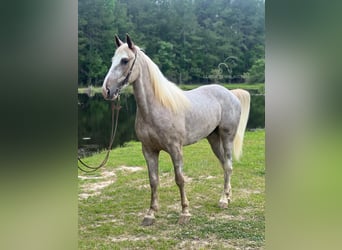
[113, 201]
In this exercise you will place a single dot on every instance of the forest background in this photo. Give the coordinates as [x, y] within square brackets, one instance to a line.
[192, 41]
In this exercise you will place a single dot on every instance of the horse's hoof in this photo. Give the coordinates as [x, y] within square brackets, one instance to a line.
[148, 221]
[184, 218]
[223, 204]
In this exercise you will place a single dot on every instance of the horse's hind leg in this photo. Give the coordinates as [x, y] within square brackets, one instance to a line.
[228, 170]
[151, 158]
[222, 144]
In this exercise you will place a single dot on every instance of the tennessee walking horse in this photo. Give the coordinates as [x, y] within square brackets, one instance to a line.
[169, 118]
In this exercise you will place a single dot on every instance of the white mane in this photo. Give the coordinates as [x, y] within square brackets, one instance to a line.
[166, 92]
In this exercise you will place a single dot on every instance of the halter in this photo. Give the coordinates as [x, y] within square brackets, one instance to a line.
[125, 81]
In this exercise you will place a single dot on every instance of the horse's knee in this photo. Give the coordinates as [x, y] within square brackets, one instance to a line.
[154, 179]
[153, 183]
[229, 170]
[179, 182]
[179, 179]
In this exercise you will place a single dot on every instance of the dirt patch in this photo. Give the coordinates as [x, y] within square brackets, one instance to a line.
[227, 217]
[210, 243]
[91, 189]
[106, 178]
[249, 191]
[133, 238]
[206, 177]
[130, 168]
[244, 193]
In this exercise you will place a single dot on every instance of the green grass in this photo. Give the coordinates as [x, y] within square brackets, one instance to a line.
[111, 219]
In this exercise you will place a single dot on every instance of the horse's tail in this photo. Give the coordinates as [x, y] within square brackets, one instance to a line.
[245, 100]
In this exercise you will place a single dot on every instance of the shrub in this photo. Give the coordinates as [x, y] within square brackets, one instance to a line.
[256, 74]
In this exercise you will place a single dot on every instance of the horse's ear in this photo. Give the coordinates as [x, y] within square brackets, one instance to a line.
[129, 42]
[118, 42]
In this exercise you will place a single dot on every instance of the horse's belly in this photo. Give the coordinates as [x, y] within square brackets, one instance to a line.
[200, 126]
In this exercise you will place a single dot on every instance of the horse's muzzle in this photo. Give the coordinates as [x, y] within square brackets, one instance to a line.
[110, 94]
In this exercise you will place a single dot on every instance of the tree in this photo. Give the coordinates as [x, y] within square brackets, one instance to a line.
[188, 39]
[95, 21]
[165, 59]
[256, 74]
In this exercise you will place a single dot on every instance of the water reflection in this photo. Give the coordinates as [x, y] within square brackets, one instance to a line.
[94, 123]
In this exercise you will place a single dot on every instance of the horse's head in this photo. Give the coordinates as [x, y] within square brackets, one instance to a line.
[122, 70]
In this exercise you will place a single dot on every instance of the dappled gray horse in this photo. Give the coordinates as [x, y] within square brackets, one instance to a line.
[168, 118]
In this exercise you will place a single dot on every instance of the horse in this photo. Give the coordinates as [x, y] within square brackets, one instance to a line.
[169, 118]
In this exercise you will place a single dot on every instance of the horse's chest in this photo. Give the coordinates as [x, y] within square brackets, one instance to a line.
[146, 131]
[158, 134]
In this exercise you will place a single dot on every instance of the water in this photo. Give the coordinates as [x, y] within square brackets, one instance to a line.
[94, 121]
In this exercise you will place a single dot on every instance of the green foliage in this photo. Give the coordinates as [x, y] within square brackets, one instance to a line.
[257, 112]
[188, 39]
[95, 36]
[164, 58]
[256, 73]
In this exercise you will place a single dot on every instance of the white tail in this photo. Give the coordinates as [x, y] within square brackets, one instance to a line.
[245, 100]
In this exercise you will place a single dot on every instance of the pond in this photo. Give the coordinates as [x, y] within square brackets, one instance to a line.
[94, 121]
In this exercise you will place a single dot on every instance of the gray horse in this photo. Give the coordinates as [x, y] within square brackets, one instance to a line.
[168, 118]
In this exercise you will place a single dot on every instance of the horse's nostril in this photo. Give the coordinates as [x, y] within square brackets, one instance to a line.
[108, 92]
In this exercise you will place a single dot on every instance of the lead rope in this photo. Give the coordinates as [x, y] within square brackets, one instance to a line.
[112, 137]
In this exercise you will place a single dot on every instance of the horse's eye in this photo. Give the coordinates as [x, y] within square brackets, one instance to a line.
[124, 61]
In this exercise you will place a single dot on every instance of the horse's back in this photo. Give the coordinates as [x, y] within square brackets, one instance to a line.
[212, 106]
[212, 91]
[214, 97]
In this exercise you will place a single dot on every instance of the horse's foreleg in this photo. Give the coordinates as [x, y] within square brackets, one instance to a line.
[151, 158]
[177, 159]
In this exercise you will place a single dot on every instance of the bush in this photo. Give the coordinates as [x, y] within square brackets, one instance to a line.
[256, 74]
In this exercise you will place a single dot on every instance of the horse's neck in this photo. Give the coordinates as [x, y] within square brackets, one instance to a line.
[144, 94]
